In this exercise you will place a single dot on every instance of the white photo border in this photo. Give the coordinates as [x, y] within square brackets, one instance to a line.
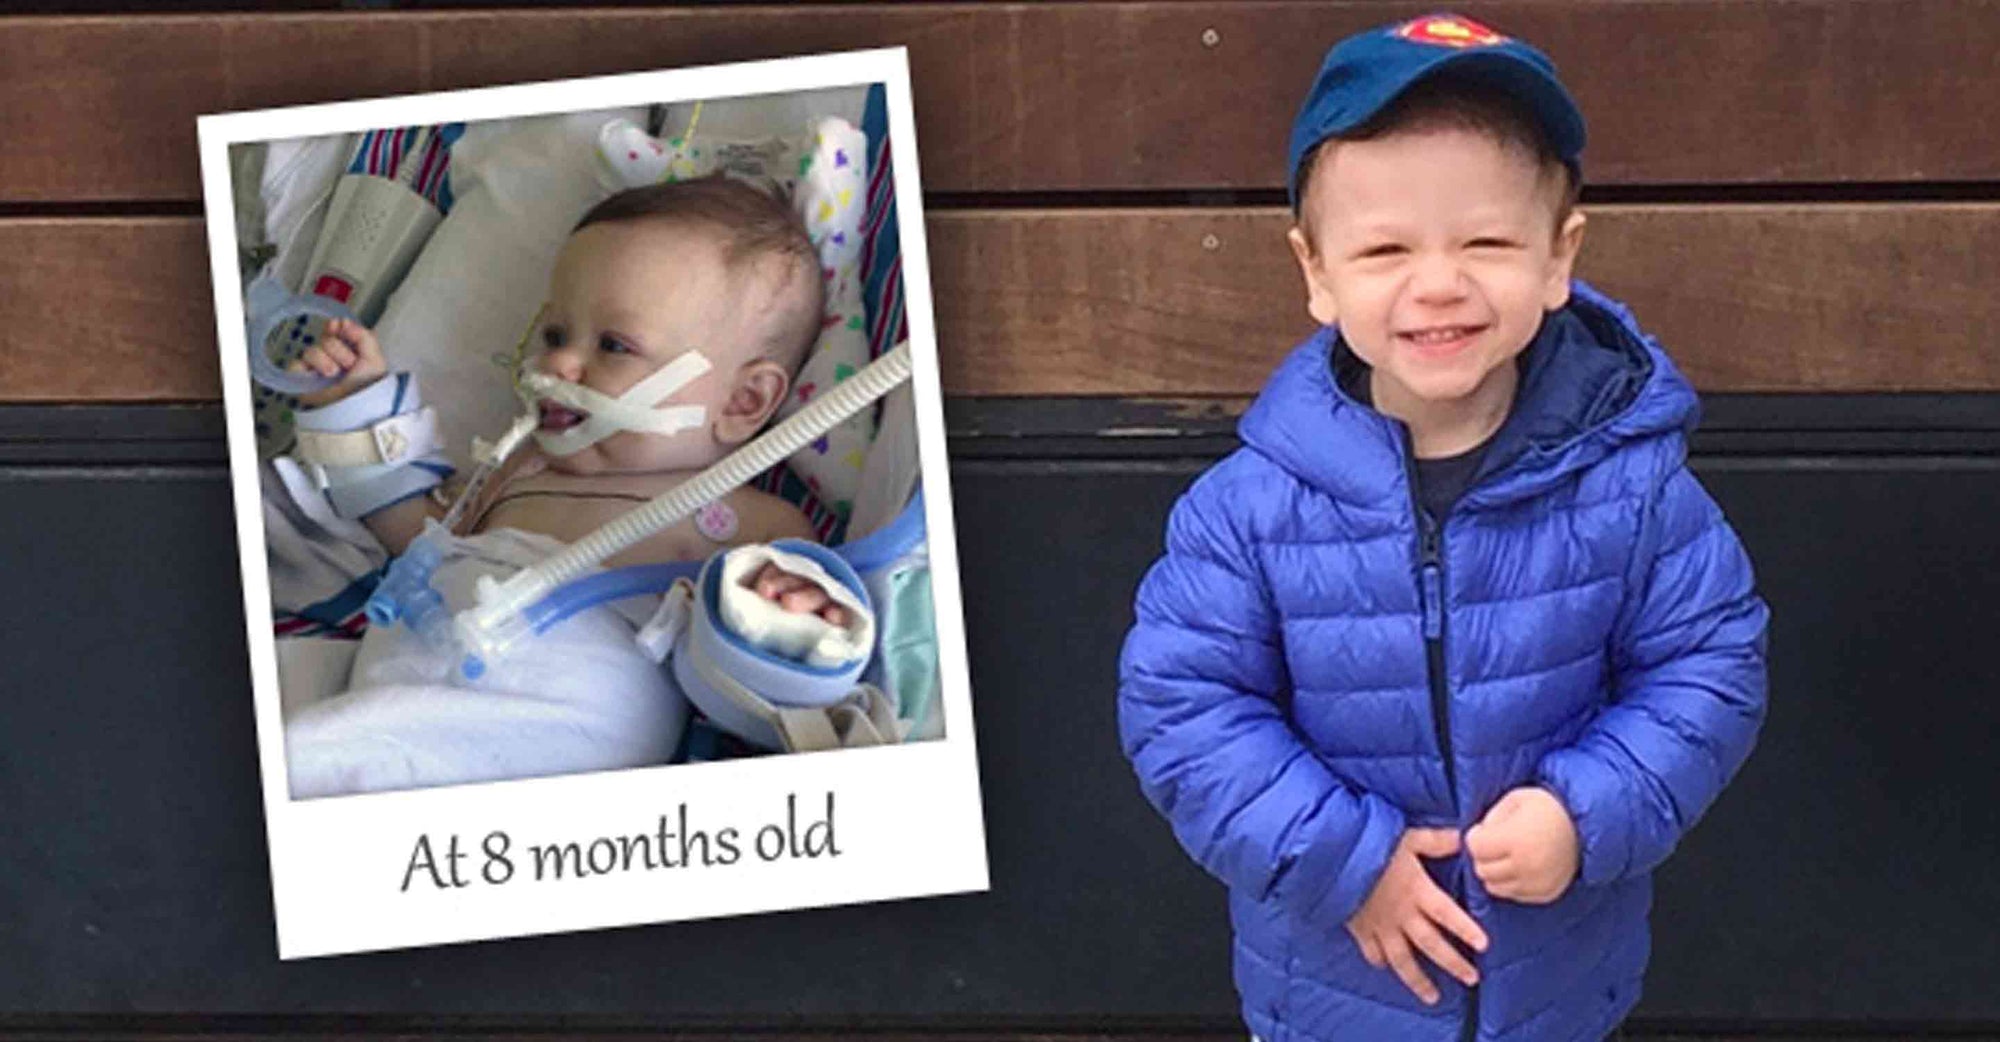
[345, 871]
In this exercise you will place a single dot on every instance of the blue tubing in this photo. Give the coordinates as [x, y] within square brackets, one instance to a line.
[867, 553]
[614, 585]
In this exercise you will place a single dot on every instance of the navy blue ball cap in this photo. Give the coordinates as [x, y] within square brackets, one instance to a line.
[1365, 72]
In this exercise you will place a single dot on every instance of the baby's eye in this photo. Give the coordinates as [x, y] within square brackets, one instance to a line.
[1492, 243]
[613, 346]
[552, 337]
[1384, 249]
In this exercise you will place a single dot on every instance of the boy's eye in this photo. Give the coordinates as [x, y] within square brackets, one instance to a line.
[552, 337]
[1385, 249]
[1492, 243]
[613, 346]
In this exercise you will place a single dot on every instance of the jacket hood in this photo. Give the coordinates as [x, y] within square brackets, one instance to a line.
[1591, 381]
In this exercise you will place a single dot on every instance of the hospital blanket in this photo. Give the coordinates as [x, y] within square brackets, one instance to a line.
[396, 715]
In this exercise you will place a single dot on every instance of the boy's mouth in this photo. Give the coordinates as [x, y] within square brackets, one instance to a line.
[559, 418]
[1440, 340]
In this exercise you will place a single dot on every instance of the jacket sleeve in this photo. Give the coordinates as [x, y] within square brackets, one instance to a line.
[1689, 691]
[1201, 681]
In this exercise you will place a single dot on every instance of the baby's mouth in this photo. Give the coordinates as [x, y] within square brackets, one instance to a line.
[558, 418]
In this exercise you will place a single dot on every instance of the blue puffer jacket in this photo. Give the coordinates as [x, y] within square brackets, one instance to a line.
[1599, 637]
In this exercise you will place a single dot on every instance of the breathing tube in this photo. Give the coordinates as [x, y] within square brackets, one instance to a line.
[405, 593]
[614, 585]
[503, 616]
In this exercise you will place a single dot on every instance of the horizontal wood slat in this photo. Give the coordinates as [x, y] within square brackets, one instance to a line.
[1859, 297]
[106, 309]
[1854, 297]
[1080, 96]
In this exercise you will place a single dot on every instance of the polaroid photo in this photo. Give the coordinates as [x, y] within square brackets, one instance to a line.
[590, 484]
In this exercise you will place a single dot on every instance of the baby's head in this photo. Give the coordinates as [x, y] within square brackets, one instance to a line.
[649, 276]
[1434, 185]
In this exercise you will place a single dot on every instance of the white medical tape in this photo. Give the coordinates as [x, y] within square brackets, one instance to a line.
[658, 635]
[631, 411]
[397, 439]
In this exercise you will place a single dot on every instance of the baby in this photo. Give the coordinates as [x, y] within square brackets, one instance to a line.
[676, 316]
[671, 275]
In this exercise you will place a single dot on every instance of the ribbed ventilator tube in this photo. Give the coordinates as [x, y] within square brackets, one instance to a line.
[489, 628]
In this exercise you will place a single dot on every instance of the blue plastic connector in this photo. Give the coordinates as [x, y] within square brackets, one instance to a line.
[405, 594]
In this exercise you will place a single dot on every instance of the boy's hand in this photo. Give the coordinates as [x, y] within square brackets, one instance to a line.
[347, 350]
[797, 594]
[1525, 848]
[1405, 911]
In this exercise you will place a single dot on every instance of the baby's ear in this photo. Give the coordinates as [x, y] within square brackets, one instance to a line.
[1319, 302]
[756, 393]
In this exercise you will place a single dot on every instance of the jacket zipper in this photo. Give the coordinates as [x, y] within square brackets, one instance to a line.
[1431, 544]
[1430, 592]
[1430, 595]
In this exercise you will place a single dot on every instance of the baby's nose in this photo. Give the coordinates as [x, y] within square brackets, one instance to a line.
[561, 364]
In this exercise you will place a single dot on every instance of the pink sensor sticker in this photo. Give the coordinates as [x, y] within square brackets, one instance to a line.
[716, 521]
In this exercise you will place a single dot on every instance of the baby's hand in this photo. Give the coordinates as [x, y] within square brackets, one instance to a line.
[1525, 848]
[796, 593]
[347, 350]
[1406, 910]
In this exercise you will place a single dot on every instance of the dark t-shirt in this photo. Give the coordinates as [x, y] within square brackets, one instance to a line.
[1440, 481]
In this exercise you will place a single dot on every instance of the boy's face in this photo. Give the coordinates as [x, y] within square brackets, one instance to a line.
[1437, 253]
[626, 299]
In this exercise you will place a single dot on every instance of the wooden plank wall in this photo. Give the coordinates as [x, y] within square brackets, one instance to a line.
[1834, 236]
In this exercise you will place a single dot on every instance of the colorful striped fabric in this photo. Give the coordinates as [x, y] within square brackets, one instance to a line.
[339, 616]
[882, 255]
[421, 160]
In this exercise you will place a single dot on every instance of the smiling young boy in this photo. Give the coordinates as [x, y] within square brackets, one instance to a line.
[1443, 662]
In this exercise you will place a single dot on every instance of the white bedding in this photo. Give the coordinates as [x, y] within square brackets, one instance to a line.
[581, 697]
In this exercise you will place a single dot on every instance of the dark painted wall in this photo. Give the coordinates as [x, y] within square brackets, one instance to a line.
[1843, 877]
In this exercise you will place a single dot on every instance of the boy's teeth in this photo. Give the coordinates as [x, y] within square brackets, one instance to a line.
[1439, 336]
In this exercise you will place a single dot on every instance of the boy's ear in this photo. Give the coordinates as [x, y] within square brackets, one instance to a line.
[1562, 261]
[757, 392]
[1318, 300]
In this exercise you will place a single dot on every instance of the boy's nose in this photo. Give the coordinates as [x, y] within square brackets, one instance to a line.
[1438, 279]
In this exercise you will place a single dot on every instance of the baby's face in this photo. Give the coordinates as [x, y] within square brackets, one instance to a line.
[626, 299]
[1436, 252]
